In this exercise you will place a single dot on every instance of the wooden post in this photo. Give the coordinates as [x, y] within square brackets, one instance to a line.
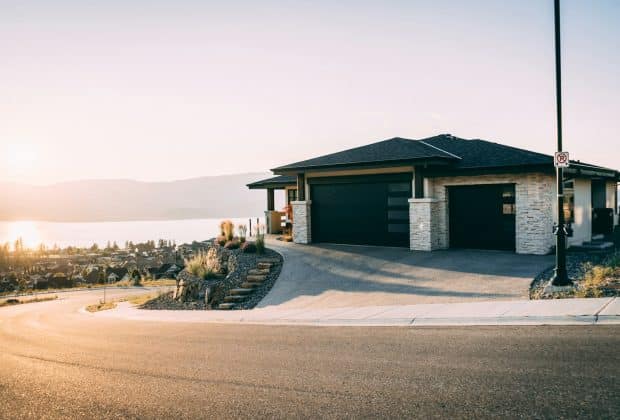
[301, 187]
[270, 199]
[418, 182]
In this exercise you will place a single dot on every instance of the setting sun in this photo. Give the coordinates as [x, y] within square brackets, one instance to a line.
[27, 231]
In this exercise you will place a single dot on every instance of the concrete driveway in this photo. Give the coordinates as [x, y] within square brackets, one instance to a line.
[333, 276]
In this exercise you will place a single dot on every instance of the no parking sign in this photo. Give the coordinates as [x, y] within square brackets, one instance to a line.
[561, 160]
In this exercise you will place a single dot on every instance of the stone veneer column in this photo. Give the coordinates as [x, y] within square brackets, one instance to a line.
[424, 224]
[302, 228]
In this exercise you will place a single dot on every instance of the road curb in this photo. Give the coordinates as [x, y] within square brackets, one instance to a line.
[130, 313]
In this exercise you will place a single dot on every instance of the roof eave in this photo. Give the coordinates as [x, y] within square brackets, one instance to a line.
[293, 170]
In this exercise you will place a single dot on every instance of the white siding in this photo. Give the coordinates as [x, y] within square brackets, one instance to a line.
[582, 228]
[612, 190]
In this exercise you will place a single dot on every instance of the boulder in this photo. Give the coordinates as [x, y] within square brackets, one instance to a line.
[218, 258]
[187, 287]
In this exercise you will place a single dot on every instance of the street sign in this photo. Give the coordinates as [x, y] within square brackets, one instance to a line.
[561, 160]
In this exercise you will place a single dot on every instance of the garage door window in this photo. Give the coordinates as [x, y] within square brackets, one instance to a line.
[371, 210]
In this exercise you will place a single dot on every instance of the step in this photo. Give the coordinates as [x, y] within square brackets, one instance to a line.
[268, 260]
[598, 237]
[250, 285]
[258, 272]
[256, 279]
[264, 266]
[241, 291]
[226, 306]
[234, 298]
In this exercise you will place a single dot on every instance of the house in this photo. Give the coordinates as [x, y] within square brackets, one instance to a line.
[442, 192]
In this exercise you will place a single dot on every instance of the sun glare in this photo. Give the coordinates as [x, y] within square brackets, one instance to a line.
[27, 231]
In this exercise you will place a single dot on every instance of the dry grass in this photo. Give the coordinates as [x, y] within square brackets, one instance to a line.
[160, 282]
[598, 278]
[101, 307]
[227, 229]
[17, 301]
[142, 299]
[201, 266]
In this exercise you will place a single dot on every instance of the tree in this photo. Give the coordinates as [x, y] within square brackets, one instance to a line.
[115, 246]
[94, 247]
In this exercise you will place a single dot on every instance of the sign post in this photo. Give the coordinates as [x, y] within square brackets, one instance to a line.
[561, 161]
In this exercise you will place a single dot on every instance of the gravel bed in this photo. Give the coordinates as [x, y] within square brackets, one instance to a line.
[260, 292]
[245, 262]
[575, 267]
[165, 301]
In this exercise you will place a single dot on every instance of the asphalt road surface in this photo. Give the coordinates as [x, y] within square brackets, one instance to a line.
[58, 363]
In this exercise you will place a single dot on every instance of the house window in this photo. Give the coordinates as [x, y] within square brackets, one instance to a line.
[569, 201]
[291, 195]
[508, 200]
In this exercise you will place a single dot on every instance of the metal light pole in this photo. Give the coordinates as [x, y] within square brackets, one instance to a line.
[560, 277]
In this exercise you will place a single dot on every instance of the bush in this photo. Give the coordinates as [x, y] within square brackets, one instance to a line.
[221, 240]
[614, 260]
[243, 230]
[227, 229]
[260, 244]
[597, 278]
[234, 244]
[199, 266]
[248, 247]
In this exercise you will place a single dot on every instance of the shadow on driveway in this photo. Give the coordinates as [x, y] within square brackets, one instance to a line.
[329, 276]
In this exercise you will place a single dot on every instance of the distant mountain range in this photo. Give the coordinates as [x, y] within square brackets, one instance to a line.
[124, 200]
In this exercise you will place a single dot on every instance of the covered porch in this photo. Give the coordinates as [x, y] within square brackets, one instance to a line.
[276, 220]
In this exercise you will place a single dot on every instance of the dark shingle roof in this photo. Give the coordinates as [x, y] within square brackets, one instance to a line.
[458, 153]
[477, 153]
[395, 149]
[276, 181]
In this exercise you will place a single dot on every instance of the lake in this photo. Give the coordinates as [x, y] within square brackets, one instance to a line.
[34, 233]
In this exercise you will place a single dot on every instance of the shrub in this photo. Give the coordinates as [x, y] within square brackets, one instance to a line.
[199, 266]
[234, 244]
[595, 279]
[243, 230]
[227, 229]
[614, 260]
[260, 239]
[248, 247]
[221, 240]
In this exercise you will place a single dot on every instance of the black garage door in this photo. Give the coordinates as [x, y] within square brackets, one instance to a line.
[482, 216]
[368, 210]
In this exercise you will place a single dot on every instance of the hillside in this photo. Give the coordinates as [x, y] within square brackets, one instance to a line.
[122, 200]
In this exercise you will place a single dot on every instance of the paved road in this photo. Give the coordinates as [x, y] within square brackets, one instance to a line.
[56, 362]
[335, 276]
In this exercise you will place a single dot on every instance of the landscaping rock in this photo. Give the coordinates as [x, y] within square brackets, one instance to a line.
[576, 266]
[187, 287]
[233, 266]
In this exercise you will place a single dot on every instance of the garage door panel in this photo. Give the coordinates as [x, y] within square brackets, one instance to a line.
[482, 216]
[361, 211]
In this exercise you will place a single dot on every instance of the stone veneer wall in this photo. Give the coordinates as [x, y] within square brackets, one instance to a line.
[302, 227]
[425, 228]
[534, 206]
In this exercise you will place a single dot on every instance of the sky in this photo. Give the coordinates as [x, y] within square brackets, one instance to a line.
[162, 90]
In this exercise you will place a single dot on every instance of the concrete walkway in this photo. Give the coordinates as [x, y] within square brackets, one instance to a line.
[338, 276]
[516, 312]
